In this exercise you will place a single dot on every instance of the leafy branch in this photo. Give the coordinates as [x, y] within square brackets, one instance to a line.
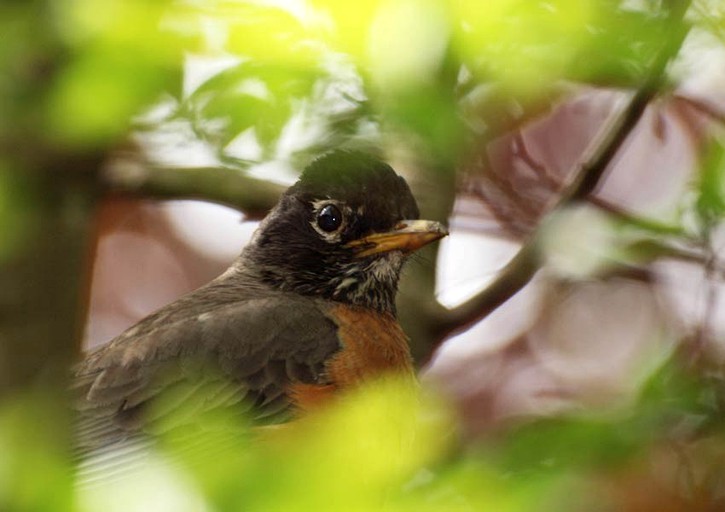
[522, 268]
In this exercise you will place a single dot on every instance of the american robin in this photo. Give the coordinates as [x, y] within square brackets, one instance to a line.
[307, 309]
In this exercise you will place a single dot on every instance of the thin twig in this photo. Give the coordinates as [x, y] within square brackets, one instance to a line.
[644, 223]
[705, 108]
[521, 150]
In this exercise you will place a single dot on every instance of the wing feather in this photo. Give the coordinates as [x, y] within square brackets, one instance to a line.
[239, 354]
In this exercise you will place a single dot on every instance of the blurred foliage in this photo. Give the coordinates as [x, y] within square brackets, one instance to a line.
[79, 70]
[373, 72]
[15, 216]
[711, 196]
[302, 78]
[34, 472]
[710, 14]
[82, 69]
[250, 95]
[118, 62]
[385, 447]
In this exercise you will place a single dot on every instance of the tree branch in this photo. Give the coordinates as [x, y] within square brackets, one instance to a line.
[225, 186]
[521, 269]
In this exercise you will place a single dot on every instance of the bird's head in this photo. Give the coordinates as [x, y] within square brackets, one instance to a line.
[342, 232]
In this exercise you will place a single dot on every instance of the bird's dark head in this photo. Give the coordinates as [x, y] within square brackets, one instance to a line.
[342, 232]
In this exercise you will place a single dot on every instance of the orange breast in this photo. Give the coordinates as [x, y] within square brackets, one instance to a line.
[373, 344]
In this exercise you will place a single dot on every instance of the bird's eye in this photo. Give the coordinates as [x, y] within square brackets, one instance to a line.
[329, 218]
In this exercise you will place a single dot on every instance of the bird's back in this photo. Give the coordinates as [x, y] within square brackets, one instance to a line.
[237, 346]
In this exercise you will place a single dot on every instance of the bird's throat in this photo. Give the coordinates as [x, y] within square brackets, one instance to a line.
[371, 283]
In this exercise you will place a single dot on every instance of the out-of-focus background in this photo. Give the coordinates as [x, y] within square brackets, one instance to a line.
[573, 322]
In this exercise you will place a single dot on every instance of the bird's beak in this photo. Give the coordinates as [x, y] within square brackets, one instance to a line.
[406, 236]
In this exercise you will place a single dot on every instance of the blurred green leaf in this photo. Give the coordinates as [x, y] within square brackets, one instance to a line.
[269, 34]
[251, 95]
[121, 59]
[348, 25]
[529, 46]
[34, 471]
[408, 42]
[620, 46]
[711, 198]
[430, 114]
[98, 93]
[255, 30]
[347, 457]
[574, 444]
[526, 45]
[383, 447]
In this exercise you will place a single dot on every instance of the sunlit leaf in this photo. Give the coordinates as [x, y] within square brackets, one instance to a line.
[408, 41]
[527, 45]
[255, 30]
[270, 34]
[349, 24]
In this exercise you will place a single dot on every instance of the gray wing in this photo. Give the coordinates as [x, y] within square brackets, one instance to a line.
[242, 355]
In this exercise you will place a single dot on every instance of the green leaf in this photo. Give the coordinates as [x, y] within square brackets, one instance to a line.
[253, 94]
[711, 191]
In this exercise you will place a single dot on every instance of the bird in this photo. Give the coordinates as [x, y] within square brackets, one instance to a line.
[305, 312]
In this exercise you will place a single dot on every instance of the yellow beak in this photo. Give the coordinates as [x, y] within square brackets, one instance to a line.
[406, 236]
